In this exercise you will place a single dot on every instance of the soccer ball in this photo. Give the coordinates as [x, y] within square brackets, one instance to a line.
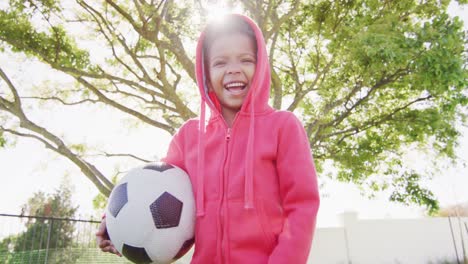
[150, 216]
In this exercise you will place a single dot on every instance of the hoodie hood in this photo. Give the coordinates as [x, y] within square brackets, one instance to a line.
[259, 93]
[255, 102]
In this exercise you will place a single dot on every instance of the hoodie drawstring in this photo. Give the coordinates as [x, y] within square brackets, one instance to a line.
[248, 188]
[201, 163]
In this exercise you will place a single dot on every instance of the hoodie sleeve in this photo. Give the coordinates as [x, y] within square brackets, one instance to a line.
[299, 193]
[175, 154]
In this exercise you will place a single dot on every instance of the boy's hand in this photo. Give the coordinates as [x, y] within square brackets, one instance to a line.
[102, 239]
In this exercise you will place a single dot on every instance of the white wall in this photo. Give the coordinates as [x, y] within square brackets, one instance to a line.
[329, 246]
[412, 241]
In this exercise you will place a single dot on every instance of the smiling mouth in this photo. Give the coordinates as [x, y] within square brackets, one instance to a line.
[235, 86]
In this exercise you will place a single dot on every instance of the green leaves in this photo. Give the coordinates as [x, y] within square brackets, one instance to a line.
[52, 46]
[32, 6]
[440, 64]
[397, 79]
[408, 191]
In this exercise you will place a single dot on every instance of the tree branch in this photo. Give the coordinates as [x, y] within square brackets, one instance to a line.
[51, 141]
[123, 108]
[60, 100]
[106, 154]
[373, 121]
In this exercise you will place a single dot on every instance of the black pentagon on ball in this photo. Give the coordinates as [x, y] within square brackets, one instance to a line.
[118, 199]
[166, 211]
[135, 254]
[158, 166]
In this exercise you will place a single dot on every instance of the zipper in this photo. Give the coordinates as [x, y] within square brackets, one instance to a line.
[228, 136]
[223, 198]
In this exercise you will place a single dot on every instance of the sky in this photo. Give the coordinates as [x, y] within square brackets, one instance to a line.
[27, 167]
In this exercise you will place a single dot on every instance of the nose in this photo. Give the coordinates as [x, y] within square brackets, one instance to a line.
[233, 68]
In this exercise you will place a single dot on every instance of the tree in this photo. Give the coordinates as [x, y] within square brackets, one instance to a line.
[43, 233]
[456, 210]
[368, 78]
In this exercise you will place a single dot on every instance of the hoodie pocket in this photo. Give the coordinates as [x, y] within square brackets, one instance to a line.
[248, 230]
[272, 217]
[266, 224]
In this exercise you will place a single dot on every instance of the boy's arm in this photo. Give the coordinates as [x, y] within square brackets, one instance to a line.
[299, 193]
[175, 155]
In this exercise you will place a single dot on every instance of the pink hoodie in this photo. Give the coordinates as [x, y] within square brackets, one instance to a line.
[255, 183]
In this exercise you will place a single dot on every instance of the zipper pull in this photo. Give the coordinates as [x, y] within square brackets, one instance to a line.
[228, 134]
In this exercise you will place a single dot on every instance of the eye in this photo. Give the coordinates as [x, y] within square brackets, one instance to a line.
[218, 63]
[248, 60]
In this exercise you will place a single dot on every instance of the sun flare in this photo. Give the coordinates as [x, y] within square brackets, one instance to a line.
[215, 11]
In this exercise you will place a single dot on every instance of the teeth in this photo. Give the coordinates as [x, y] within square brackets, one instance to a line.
[234, 84]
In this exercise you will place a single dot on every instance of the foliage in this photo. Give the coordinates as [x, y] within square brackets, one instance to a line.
[44, 233]
[368, 78]
[100, 200]
[408, 191]
[2, 140]
[457, 210]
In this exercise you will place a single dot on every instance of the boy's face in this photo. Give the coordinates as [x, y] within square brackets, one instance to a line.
[231, 67]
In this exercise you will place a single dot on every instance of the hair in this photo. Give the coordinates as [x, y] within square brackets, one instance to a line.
[230, 24]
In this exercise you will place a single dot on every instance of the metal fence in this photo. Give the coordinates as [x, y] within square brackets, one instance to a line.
[37, 240]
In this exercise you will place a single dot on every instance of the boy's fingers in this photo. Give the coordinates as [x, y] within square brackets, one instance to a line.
[102, 239]
[105, 244]
[116, 252]
[112, 249]
[108, 248]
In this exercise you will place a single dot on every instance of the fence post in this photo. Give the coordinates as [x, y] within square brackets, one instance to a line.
[31, 250]
[453, 238]
[348, 255]
[48, 240]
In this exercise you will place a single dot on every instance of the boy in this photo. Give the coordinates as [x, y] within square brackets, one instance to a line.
[250, 166]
